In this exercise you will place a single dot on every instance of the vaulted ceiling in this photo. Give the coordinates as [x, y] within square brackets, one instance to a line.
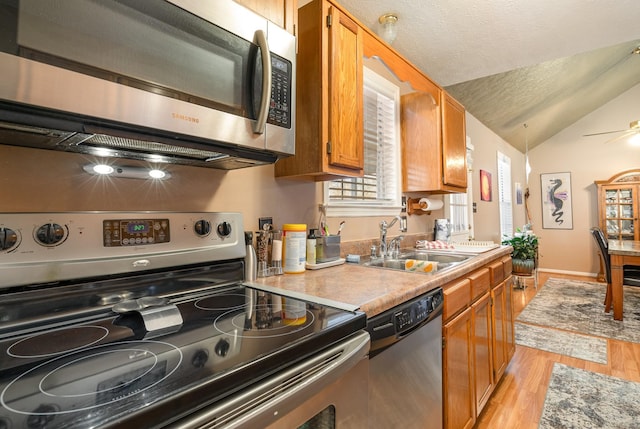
[526, 69]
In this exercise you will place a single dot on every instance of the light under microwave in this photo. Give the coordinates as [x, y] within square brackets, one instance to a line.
[203, 82]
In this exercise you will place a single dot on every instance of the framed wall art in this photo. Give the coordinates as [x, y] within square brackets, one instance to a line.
[518, 193]
[485, 185]
[557, 210]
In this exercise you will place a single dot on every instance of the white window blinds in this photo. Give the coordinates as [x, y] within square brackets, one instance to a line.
[380, 185]
[504, 196]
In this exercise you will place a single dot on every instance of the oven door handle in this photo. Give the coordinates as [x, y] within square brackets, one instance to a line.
[270, 399]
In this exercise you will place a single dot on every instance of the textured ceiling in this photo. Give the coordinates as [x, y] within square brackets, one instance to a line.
[544, 63]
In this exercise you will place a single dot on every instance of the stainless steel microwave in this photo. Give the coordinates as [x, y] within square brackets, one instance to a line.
[201, 82]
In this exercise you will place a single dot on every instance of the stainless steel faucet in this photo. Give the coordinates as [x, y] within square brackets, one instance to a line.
[384, 226]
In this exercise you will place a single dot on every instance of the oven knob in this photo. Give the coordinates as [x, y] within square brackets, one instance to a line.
[50, 234]
[224, 229]
[202, 227]
[200, 358]
[8, 238]
[222, 348]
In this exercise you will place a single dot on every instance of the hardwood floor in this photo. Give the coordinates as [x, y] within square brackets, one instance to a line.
[518, 400]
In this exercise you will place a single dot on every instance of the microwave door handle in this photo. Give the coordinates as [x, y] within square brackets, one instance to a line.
[266, 83]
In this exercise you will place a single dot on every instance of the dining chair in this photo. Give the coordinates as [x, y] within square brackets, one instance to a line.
[630, 275]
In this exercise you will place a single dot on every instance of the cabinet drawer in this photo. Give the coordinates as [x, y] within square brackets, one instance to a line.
[507, 265]
[480, 282]
[457, 296]
[497, 273]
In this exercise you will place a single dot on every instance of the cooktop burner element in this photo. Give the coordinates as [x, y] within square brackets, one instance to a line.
[76, 350]
[57, 341]
[56, 382]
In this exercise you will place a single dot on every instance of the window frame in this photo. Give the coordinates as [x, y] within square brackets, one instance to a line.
[505, 196]
[361, 208]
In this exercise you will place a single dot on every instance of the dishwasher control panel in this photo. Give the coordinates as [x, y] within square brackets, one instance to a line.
[393, 324]
[417, 311]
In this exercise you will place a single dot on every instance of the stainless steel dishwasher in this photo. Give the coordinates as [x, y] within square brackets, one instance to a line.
[405, 367]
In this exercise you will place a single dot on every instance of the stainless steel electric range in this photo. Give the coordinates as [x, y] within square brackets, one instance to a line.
[143, 319]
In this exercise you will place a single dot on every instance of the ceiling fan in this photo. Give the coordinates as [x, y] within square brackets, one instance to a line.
[634, 128]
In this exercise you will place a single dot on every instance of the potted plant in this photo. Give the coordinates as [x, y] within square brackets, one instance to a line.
[525, 251]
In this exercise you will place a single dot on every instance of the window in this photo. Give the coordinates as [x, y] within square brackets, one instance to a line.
[458, 213]
[458, 206]
[504, 195]
[378, 192]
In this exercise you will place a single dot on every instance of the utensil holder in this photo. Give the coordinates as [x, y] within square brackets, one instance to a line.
[327, 248]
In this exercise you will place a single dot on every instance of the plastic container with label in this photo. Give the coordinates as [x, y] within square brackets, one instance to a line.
[294, 247]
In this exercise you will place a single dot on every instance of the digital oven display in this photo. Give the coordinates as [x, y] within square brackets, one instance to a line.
[135, 232]
[138, 226]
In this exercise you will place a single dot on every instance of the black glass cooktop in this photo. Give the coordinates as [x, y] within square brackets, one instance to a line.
[100, 367]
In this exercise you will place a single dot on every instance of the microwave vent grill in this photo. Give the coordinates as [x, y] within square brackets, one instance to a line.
[114, 142]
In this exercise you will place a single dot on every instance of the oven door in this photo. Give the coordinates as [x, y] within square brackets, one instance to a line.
[328, 390]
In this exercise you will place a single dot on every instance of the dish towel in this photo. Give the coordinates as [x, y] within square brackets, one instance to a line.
[437, 244]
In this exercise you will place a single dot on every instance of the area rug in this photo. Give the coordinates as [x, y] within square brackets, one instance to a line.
[580, 399]
[564, 343]
[577, 306]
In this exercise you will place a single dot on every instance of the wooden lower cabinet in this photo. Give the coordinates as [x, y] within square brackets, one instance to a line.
[499, 329]
[482, 351]
[457, 360]
[478, 342]
[510, 327]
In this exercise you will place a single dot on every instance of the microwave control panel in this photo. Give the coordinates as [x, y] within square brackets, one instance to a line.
[281, 82]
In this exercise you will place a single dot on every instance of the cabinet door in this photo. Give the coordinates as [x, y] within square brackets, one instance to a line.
[499, 317]
[482, 346]
[280, 12]
[454, 152]
[510, 336]
[459, 402]
[620, 212]
[421, 150]
[346, 138]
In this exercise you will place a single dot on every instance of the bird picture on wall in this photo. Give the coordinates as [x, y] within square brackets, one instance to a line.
[556, 201]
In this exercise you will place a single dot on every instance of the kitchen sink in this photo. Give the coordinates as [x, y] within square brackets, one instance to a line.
[413, 261]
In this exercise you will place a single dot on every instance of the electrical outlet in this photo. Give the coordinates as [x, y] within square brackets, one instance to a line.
[403, 224]
[403, 209]
[264, 221]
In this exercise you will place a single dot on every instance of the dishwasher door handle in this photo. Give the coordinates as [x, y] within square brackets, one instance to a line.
[381, 327]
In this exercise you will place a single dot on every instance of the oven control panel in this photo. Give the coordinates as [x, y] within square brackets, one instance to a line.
[131, 232]
[48, 247]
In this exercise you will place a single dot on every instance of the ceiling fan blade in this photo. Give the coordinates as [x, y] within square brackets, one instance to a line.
[620, 137]
[606, 132]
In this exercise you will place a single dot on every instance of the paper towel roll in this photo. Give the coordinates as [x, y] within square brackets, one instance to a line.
[427, 205]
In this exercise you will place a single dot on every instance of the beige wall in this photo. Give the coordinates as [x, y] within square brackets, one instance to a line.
[486, 145]
[587, 159]
[34, 180]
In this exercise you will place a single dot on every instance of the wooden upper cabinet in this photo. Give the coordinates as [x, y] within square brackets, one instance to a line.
[281, 12]
[433, 127]
[421, 150]
[433, 143]
[345, 85]
[329, 100]
[454, 151]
